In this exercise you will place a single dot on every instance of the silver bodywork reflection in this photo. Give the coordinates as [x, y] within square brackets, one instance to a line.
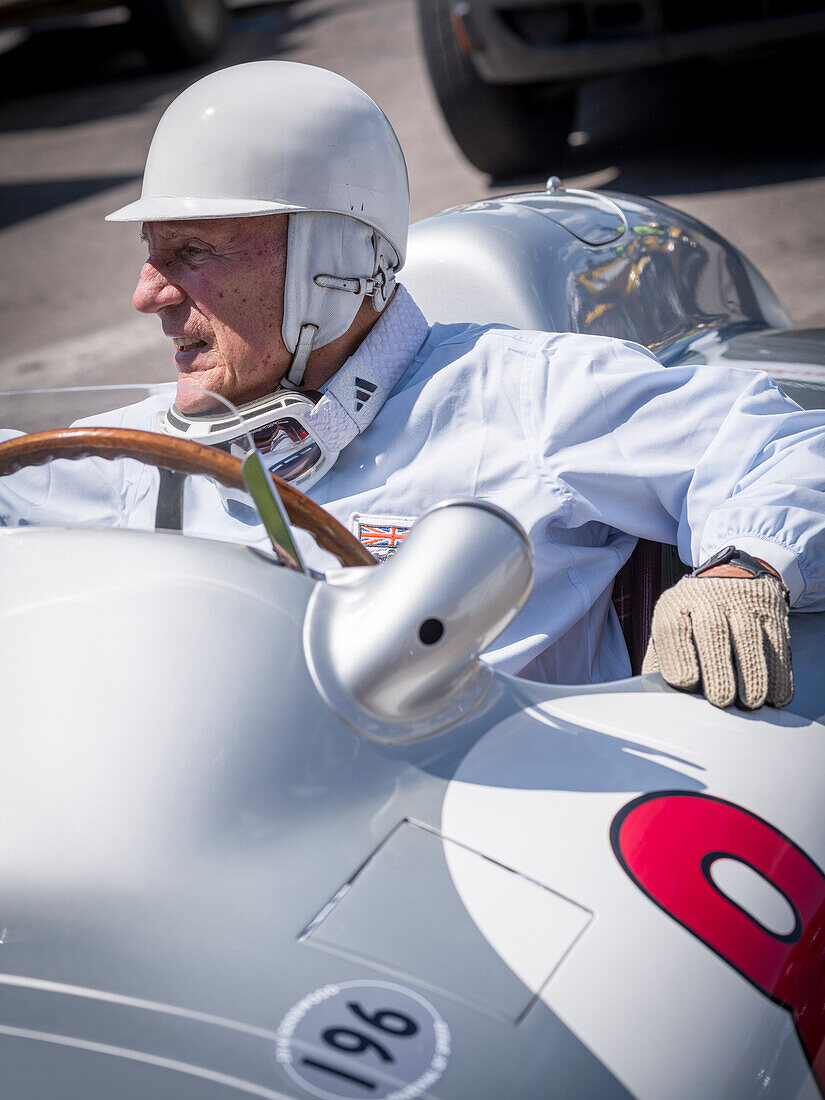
[610, 264]
[394, 651]
[194, 840]
[597, 263]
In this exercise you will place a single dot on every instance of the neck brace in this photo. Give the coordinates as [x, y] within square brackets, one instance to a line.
[300, 435]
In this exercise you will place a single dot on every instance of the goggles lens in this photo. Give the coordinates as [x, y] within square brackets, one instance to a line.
[288, 450]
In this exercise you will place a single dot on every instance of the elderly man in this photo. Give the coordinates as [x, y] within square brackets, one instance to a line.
[275, 208]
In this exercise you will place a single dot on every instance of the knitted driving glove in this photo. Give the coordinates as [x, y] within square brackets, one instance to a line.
[727, 634]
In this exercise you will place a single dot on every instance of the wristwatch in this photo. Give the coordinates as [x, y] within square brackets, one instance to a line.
[731, 556]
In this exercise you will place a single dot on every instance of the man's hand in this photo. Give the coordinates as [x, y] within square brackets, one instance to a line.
[725, 630]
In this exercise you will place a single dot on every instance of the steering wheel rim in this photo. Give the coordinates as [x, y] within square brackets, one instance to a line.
[182, 456]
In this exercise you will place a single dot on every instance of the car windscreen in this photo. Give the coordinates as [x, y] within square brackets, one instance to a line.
[110, 456]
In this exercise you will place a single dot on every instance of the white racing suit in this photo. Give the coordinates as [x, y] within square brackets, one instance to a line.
[589, 442]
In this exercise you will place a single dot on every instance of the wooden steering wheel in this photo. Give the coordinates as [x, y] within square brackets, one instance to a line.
[183, 456]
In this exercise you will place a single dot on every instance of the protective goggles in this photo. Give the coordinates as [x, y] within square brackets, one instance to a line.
[280, 428]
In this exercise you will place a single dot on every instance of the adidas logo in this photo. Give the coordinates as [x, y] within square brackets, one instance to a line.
[363, 392]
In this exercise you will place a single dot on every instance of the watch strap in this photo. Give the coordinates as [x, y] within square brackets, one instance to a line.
[729, 555]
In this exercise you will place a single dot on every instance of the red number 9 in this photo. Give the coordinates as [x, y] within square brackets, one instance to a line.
[666, 843]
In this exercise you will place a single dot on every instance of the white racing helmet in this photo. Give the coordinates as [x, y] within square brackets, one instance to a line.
[277, 137]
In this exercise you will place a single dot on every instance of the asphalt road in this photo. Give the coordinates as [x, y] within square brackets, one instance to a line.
[740, 146]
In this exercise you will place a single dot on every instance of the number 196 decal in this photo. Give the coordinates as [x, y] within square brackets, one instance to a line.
[363, 1039]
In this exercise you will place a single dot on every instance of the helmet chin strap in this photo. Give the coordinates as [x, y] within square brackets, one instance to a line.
[378, 289]
[294, 377]
[321, 300]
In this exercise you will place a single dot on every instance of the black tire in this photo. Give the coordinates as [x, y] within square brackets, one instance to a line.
[177, 33]
[503, 129]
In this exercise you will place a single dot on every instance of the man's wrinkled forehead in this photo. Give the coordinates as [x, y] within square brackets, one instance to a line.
[216, 230]
[207, 229]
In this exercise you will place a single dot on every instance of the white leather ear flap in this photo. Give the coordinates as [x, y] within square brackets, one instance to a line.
[324, 244]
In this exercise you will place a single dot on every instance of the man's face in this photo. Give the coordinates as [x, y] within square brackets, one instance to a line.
[218, 287]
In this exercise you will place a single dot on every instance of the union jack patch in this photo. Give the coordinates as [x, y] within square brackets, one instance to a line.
[382, 535]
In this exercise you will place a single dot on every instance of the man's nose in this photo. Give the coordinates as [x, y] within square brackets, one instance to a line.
[154, 291]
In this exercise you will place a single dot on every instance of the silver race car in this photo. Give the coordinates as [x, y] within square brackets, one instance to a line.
[273, 834]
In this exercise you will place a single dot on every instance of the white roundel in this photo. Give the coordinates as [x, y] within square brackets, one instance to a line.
[363, 1039]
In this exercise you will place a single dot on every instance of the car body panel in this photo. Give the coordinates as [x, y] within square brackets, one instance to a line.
[659, 278]
[195, 842]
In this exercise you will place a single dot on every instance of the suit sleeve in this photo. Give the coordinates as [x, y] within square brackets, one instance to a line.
[700, 457]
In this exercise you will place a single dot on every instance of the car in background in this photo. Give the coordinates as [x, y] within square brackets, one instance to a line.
[506, 72]
[172, 33]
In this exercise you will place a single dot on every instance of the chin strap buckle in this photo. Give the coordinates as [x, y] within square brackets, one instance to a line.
[379, 287]
[382, 285]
